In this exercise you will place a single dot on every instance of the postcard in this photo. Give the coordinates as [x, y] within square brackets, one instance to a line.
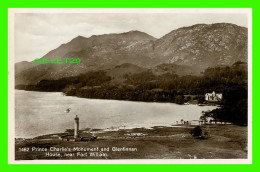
[130, 86]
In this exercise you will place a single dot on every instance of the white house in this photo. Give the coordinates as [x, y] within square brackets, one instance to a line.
[213, 96]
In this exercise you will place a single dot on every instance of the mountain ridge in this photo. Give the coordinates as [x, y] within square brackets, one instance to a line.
[198, 46]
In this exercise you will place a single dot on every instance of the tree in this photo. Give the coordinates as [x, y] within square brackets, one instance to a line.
[201, 99]
[197, 131]
[179, 99]
[187, 98]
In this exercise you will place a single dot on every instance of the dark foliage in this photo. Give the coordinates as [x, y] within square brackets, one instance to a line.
[197, 131]
[145, 86]
[234, 108]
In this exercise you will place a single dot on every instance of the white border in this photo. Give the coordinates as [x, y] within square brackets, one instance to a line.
[11, 116]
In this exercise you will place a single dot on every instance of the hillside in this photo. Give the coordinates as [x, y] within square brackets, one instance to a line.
[204, 45]
[185, 51]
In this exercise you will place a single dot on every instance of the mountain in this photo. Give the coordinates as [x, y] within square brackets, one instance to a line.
[180, 70]
[24, 65]
[187, 50]
[96, 53]
[204, 45]
[119, 72]
[105, 49]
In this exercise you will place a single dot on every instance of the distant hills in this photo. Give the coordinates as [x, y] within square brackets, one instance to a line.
[184, 51]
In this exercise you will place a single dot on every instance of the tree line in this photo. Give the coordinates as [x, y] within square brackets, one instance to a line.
[231, 81]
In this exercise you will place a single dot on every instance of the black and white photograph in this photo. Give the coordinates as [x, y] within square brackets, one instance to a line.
[130, 85]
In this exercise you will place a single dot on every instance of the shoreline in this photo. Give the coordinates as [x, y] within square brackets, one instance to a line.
[148, 102]
[224, 142]
[110, 130]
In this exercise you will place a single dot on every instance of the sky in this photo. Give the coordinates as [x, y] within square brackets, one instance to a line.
[38, 33]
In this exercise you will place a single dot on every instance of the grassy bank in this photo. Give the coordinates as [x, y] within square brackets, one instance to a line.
[224, 142]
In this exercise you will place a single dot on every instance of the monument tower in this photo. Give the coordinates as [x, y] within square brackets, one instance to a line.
[76, 127]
